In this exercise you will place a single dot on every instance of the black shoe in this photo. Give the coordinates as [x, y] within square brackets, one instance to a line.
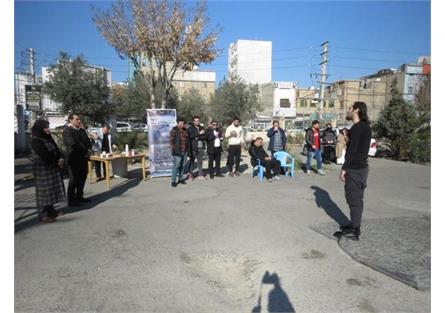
[220, 175]
[350, 233]
[347, 226]
[73, 203]
[174, 184]
[84, 200]
[183, 182]
[211, 176]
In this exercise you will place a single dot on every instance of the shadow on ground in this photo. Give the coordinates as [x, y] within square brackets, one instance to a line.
[324, 201]
[278, 300]
[97, 199]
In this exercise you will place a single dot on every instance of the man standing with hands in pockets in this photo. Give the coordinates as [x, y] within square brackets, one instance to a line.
[355, 169]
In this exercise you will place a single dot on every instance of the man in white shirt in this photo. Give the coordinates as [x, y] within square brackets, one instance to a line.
[102, 143]
[214, 138]
[236, 138]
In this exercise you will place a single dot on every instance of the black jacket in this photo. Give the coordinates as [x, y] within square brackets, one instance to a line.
[310, 140]
[77, 145]
[49, 157]
[210, 139]
[257, 153]
[194, 137]
[358, 146]
[328, 135]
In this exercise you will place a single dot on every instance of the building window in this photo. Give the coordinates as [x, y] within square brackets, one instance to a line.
[331, 103]
[303, 103]
[312, 104]
[284, 103]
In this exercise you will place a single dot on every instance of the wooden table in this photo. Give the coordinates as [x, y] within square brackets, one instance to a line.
[107, 162]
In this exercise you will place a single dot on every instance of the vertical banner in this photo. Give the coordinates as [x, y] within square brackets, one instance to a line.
[160, 122]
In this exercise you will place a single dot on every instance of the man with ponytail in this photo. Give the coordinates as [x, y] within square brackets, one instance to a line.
[355, 169]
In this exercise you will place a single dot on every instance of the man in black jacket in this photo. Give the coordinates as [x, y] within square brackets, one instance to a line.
[77, 148]
[214, 137]
[197, 147]
[257, 152]
[314, 147]
[355, 169]
[328, 142]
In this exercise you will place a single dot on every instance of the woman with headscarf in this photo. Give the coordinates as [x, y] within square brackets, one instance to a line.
[47, 161]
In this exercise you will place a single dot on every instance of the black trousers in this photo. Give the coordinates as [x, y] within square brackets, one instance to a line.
[234, 157]
[355, 185]
[328, 153]
[78, 172]
[215, 156]
[97, 167]
[273, 165]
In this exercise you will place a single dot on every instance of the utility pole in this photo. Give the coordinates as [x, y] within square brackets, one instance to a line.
[324, 62]
[32, 68]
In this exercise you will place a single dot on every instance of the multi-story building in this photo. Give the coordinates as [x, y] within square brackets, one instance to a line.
[202, 80]
[250, 60]
[375, 89]
[278, 101]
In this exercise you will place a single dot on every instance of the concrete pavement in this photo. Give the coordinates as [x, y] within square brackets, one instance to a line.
[207, 246]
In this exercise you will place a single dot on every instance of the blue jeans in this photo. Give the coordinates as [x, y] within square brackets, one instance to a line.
[179, 167]
[310, 156]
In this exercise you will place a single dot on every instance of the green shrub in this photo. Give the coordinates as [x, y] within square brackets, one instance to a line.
[135, 140]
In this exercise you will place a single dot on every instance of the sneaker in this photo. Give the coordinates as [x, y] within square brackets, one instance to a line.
[308, 172]
[231, 174]
[220, 175]
[174, 184]
[349, 233]
[321, 172]
[237, 173]
[183, 182]
[200, 177]
[270, 180]
[276, 177]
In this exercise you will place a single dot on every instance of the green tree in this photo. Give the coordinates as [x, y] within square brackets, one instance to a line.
[396, 123]
[191, 104]
[79, 88]
[420, 141]
[235, 98]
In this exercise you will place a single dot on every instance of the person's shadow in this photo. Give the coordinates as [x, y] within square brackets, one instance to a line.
[324, 201]
[278, 299]
[115, 191]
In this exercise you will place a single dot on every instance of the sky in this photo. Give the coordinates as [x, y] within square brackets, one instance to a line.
[364, 36]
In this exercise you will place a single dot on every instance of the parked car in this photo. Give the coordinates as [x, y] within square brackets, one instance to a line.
[140, 127]
[123, 127]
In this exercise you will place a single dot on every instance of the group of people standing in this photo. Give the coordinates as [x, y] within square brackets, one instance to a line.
[188, 146]
[192, 142]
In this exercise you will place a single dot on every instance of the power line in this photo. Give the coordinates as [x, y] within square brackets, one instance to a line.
[380, 51]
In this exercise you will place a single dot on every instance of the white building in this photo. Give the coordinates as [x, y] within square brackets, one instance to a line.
[250, 60]
[278, 102]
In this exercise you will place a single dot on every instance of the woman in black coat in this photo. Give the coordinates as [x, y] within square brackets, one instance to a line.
[47, 163]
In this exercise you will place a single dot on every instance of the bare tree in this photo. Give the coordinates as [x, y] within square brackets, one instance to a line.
[166, 36]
